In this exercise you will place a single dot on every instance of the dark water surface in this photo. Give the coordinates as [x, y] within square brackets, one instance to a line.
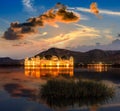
[19, 88]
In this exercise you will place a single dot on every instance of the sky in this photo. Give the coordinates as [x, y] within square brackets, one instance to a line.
[28, 27]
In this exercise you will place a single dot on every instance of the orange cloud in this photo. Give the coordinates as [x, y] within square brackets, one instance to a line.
[57, 14]
[94, 9]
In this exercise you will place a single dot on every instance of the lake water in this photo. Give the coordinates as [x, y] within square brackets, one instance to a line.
[20, 86]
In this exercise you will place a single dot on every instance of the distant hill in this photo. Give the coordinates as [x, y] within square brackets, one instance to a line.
[91, 56]
[6, 61]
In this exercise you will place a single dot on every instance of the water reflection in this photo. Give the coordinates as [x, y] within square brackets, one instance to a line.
[94, 107]
[18, 90]
[14, 82]
[98, 67]
[38, 72]
[61, 93]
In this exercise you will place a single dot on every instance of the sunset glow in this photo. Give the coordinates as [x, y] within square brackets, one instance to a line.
[59, 55]
[74, 25]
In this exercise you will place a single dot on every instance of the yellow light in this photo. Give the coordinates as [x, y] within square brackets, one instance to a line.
[54, 71]
[67, 65]
[58, 65]
[50, 64]
[55, 61]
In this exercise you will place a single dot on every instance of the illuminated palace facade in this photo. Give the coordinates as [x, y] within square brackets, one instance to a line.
[53, 62]
[37, 67]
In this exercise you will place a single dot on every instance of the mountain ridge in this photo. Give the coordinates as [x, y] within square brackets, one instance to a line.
[92, 56]
[7, 61]
[95, 55]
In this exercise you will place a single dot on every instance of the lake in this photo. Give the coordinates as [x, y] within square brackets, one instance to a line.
[20, 86]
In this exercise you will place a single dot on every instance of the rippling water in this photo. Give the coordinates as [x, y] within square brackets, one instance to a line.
[19, 87]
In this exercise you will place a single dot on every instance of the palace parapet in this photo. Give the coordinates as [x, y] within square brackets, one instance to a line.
[53, 62]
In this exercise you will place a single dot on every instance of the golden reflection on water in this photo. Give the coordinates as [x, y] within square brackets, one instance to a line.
[98, 67]
[38, 72]
[93, 108]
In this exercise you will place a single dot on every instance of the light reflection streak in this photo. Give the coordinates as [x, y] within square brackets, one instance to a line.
[100, 67]
[38, 72]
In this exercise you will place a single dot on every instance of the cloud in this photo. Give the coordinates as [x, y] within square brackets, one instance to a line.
[116, 42]
[101, 11]
[94, 9]
[44, 33]
[57, 14]
[28, 5]
[18, 90]
[109, 12]
[80, 36]
[118, 35]
[113, 45]
[83, 17]
[58, 39]
[18, 31]
[107, 31]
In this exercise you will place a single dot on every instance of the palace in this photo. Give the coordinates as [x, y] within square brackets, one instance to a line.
[53, 62]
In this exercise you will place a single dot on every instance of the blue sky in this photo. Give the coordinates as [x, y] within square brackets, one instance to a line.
[88, 33]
